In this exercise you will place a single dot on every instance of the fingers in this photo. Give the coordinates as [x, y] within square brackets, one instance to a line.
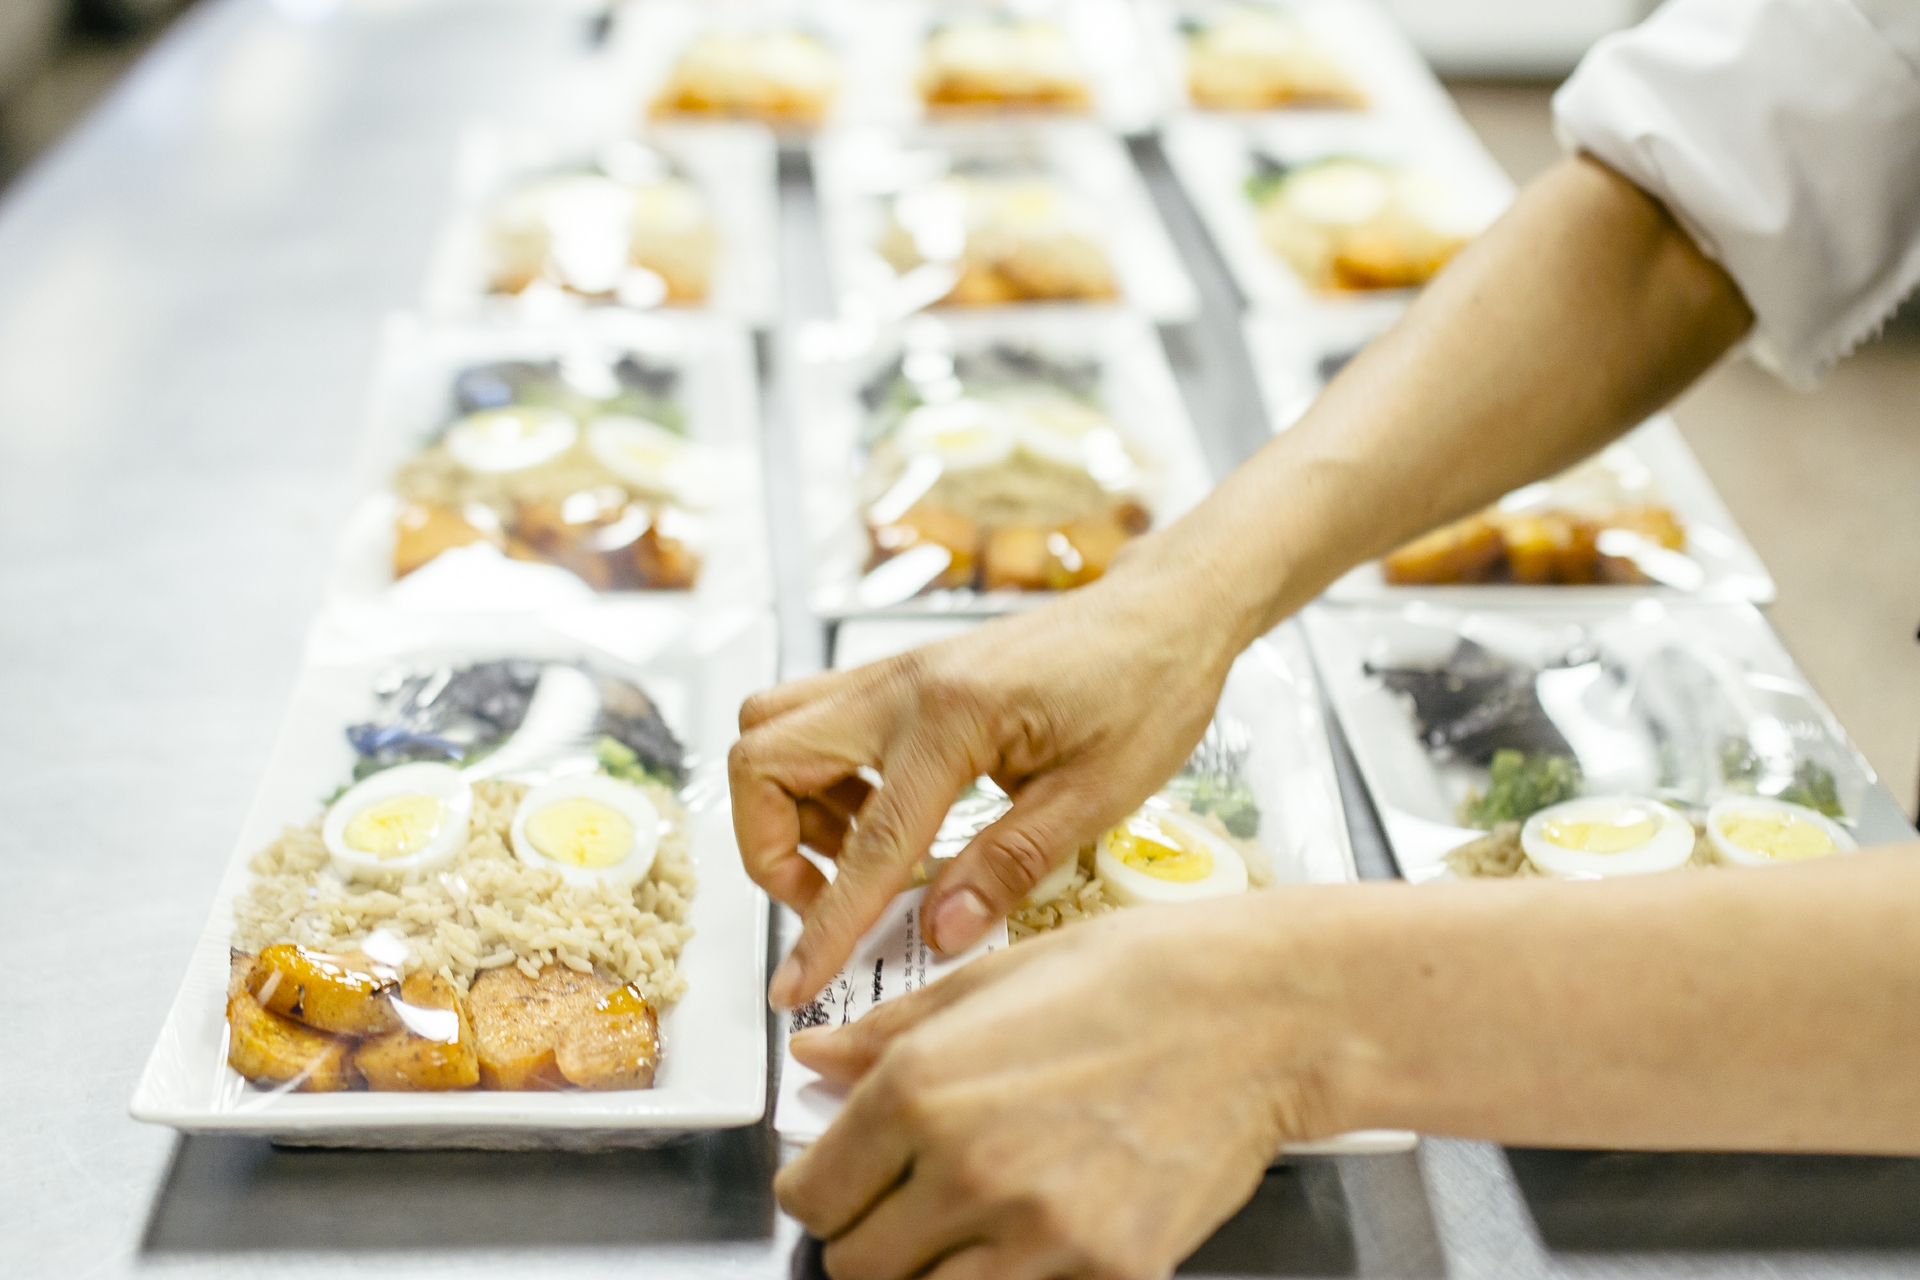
[768, 703]
[912, 1227]
[895, 826]
[862, 1156]
[1051, 817]
[845, 1054]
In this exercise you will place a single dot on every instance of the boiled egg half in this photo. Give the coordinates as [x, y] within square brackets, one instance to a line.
[1159, 855]
[649, 457]
[590, 828]
[410, 819]
[961, 434]
[511, 439]
[1601, 836]
[1759, 831]
[1336, 193]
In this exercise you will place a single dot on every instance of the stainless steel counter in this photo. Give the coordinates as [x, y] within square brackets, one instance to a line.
[190, 293]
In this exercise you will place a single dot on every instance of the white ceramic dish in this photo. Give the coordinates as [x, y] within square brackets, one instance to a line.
[831, 361]
[731, 165]
[1213, 159]
[1747, 684]
[413, 400]
[1274, 697]
[1293, 356]
[857, 172]
[713, 1067]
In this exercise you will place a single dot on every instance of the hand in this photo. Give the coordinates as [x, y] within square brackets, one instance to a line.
[1078, 710]
[1089, 1103]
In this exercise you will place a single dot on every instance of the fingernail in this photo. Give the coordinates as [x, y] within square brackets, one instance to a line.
[959, 921]
[783, 992]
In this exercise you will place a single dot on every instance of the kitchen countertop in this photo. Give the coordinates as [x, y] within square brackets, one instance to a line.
[190, 295]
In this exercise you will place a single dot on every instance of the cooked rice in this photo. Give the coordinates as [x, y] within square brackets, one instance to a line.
[1084, 899]
[1498, 855]
[485, 910]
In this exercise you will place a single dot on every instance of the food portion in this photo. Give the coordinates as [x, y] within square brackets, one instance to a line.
[1251, 57]
[1347, 224]
[582, 463]
[1196, 839]
[979, 62]
[1601, 522]
[631, 228]
[534, 949]
[1010, 233]
[783, 78]
[1757, 831]
[995, 469]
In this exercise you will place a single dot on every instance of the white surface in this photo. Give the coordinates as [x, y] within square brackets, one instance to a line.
[713, 1063]
[830, 361]
[413, 399]
[731, 165]
[1510, 37]
[1416, 797]
[1785, 136]
[857, 171]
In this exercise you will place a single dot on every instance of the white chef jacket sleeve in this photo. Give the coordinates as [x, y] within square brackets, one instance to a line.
[1784, 135]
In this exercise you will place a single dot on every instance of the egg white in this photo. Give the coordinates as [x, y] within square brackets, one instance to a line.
[510, 439]
[443, 783]
[962, 434]
[1338, 192]
[1669, 847]
[1130, 887]
[1739, 855]
[623, 797]
[649, 457]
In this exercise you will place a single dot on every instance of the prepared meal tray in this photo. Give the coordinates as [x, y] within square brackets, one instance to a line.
[487, 895]
[977, 464]
[973, 216]
[545, 225]
[1584, 741]
[1641, 513]
[1253, 56]
[526, 467]
[1321, 213]
[1256, 805]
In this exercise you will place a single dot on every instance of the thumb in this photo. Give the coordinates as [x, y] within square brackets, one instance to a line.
[1051, 818]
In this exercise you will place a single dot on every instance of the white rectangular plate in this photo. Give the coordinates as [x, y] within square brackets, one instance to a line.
[731, 165]
[857, 171]
[413, 399]
[1273, 692]
[1416, 797]
[713, 1064]
[830, 361]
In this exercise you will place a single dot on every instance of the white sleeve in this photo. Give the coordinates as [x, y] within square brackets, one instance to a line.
[1785, 136]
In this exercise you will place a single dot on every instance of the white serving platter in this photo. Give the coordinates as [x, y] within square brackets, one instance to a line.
[1417, 796]
[1213, 159]
[1273, 693]
[857, 172]
[413, 399]
[1291, 355]
[829, 361]
[713, 1065]
[733, 166]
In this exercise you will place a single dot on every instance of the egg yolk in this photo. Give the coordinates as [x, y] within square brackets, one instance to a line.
[1606, 835]
[1783, 837]
[581, 833]
[396, 826]
[1152, 849]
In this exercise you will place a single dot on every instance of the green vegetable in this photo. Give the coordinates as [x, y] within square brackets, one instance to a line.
[1520, 785]
[1231, 802]
[1813, 784]
[1263, 186]
[618, 760]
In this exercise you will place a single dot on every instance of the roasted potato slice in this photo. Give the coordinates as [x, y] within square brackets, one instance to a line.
[422, 532]
[517, 1019]
[1017, 557]
[614, 1045]
[269, 1049]
[923, 525]
[433, 1052]
[347, 994]
[1464, 551]
[239, 968]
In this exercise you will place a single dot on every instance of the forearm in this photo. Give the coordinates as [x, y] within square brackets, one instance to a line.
[1768, 1010]
[1584, 309]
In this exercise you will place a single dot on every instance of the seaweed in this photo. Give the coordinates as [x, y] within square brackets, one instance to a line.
[1475, 704]
[639, 387]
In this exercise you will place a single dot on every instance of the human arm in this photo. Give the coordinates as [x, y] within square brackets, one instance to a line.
[1583, 309]
[1096, 1101]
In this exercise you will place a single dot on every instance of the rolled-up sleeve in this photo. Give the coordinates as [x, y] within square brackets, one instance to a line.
[1785, 136]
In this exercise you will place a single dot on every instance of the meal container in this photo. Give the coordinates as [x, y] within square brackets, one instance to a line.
[831, 362]
[859, 173]
[732, 166]
[1214, 159]
[413, 401]
[1268, 719]
[1665, 698]
[712, 1070]
[1355, 36]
